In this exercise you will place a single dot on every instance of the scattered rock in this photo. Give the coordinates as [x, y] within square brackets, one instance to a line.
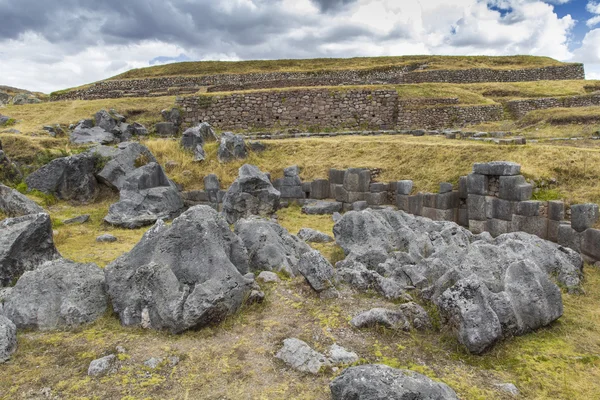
[173, 116]
[106, 238]
[122, 161]
[25, 243]
[193, 139]
[366, 382]
[8, 339]
[231, 147]
[313, 236]
[299, 356]
[270, 246]
[508, 388]
[25, 98]
[94, 134]
[166, 129]
[268, 277]
[158, 286]
[317, 271]
[153, 362]
[256, 147]
[103, 366]
[14, 204]
[251, 194]
[82, 219]
[322, 207]
[339, 355]
[57, 294]
[408, 316]
[54, 130]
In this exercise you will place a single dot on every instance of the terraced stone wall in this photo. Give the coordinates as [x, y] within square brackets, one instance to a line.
[519, 108]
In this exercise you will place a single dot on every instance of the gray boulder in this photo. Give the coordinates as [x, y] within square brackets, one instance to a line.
[147, 195]
[5, 98]
[198, 135]
[251, 194]
[24, 98]
[81, 135]
[4, 119]
[81, 219]
[299, 356]
[185, 276]
[270, 246]
[317, 271]
[60, 293]
[15, 204]
[8, 339]
[103, 366]
[108, 122]
[339, 355]
[380, 382]
[231, 147]
[322, 207]
[123, 160]
[172, 116]
[106, 238]
[165, 129]
[313, 236]
[67, 178]
[25, 243]
[407, 317]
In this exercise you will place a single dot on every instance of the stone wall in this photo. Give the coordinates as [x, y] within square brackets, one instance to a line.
[519, 108]
[294, 108]
[446, 117]
[415, 73]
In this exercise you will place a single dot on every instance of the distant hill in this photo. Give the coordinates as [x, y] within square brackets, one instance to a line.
[12, 91]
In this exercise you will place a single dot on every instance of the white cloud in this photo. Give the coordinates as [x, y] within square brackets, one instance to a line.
[589, 52]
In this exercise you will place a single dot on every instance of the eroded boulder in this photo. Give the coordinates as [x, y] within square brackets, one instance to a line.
[121, 161]
[15, 204]
[408, 316]
[188, 275]
[301, 357]
[8, 339]
[318, 272]
[313, 236]
[231, 147]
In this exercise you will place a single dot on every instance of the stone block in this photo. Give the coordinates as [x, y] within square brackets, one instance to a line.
[322, 207]
[497, 168]
[429, 212]
[534, 225]
[195, 196]
[499, 209]
[447, 201]
[378, 187]
[583, 216]
[556, 210]
[497, 227]
[377, 199]
[306, 187]
[319, 189]
[463, 217]
[477, 184]
[477, 208]
[446, 215]
[347, 207]
[404, 187]
[357, 180]
[336, 176]
[429, 200]
[569, 237]
[292, 192]
[359, 205]
[340, 194]
[590, 245]
[515, 188]
[291, 171]
[393, 187]
[553, 230]
[415, 204]
[402, 202]
[445, 187]
[462, 187]
[352, 197]
[477, 227]
[221, 195]
[530, 208]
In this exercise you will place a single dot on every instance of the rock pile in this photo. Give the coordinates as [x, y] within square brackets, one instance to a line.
[107, 127]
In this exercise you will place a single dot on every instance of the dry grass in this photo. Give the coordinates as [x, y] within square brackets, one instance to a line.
[333, 64]
[562, 116]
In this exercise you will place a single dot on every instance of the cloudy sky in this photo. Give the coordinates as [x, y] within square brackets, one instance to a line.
[48, 45]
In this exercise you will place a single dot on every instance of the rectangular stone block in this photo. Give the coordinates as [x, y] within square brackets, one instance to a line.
[498, 227]
[195, 196]
[340, 194]
[534, 225]
[556, 210]
[477, 207]
[477, 184]
[583, 216]
[319, 189]
[378, 187]
[590, 245]
[477, 227]
[462, 187]
[445, 187]
[497, 168]
[404, 187]
[569, 237]
[447, 201]
[429, 200]
[463, 217]
[402, 202]
[553, 230]
[530, 208]
[393, 187]
[415, 204]
[377, 199]
[429, 212]
[336, 176]
[356, 196]
[357, 180]
[515, 188]
[292, 192]
[499, 209]
[306, 187]
[446, 215]
[359, 205]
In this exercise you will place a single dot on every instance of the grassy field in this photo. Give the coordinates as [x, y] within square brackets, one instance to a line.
[333, 64]
[236, 359]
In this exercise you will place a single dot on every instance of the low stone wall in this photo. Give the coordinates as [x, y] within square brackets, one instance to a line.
[447, 117]
[415, 73]
[519, 108]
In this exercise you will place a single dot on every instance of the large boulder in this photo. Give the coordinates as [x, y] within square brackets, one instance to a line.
[408, 316]
[15, 204]
[270, 246]
[95, 134]
[25, 98]
[173, 116]
[482, 286]
[59, 294]
[199, 134]
[67, 178]
[8, 339]
[188, 275]
[380, 382]
[251, 194]
[25, 243]
[231, 147]
[147, 195]
[318, 272]
[123, 160]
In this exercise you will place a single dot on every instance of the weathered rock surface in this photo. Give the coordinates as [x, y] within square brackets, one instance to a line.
[268, 277]
[299, 356]
[339, 355]
[122, 161]
[322, 207]
[146, 196]
[231, 147]
[380, 382]
[95, 134]
[106, 238]
[157, 285]
[103, 366]
[68, 178]
[270, 246]
[60, 293]
[251, 194]
[193, 139]
[482, 286]
[81, 219]
[8, 339]
[317, 271]
[314, 236]
[15, 204]
[408, 316]
[25, 243]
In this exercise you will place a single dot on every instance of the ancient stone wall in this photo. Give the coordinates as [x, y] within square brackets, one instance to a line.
[447, 117]
[416, 73]
[519, 108]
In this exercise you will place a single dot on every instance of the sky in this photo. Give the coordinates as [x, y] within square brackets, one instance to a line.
[48, 45]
